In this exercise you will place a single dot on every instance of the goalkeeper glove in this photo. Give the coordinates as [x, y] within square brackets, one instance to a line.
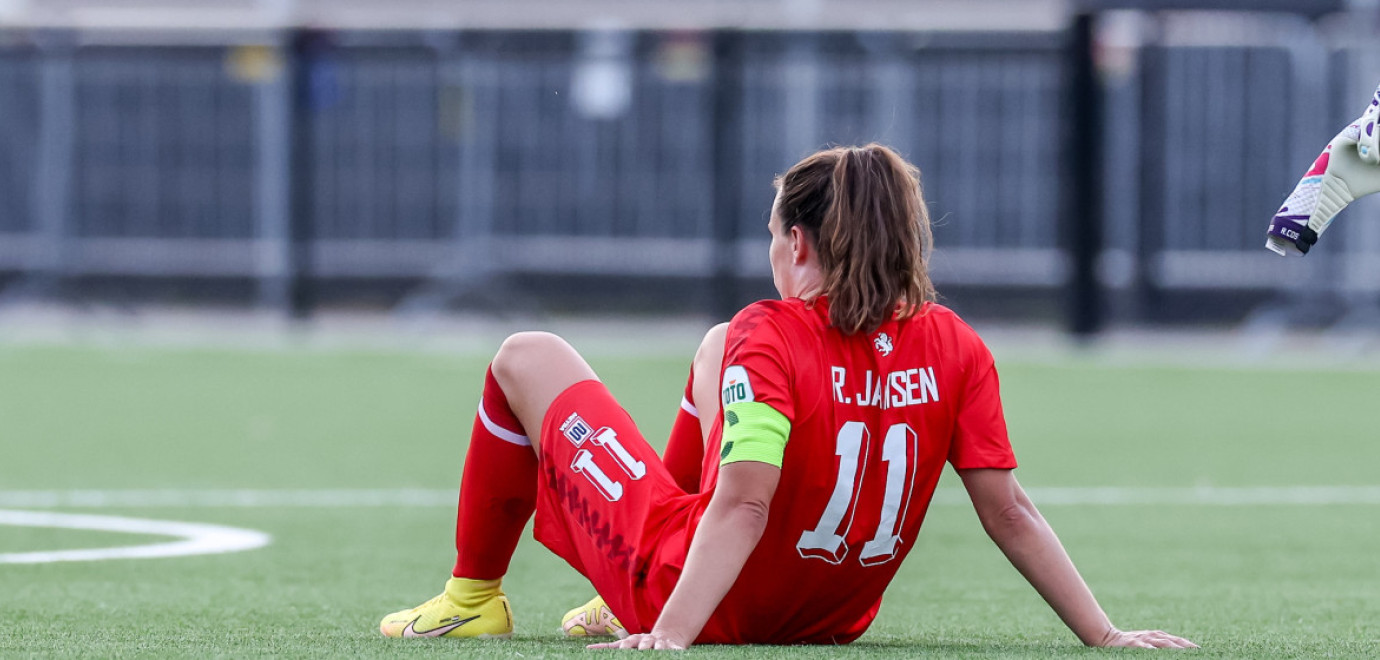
[1348, 169]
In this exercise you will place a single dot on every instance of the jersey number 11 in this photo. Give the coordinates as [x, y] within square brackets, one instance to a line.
[826, 540]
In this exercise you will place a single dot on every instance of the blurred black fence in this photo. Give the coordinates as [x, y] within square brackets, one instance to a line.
[444, 160]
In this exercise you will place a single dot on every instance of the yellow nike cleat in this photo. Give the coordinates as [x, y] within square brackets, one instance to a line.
[593, 619]
[467, 608]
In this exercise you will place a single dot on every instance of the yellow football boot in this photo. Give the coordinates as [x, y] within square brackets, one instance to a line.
[593, 619]
[467, 608]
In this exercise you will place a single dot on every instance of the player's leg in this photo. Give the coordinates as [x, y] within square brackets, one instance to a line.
[684, 458]
[684, 446]
[600, 483]
[497, 491]
[709, 367]
[534, 368]
[684, 455]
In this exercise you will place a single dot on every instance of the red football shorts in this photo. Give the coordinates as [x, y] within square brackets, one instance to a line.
[598, 483]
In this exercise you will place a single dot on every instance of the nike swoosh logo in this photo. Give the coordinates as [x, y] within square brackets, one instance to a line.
[410, 631]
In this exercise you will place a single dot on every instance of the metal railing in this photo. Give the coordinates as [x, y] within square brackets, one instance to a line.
[442, 157]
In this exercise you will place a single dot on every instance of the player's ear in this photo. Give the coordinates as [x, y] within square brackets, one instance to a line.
[800, 246]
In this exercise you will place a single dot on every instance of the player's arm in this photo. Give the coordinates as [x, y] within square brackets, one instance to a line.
[732, 525]
[730, 529]
[1014, 524]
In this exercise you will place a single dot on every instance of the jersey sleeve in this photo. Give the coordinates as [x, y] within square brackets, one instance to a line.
[980, 438]
[755, 388]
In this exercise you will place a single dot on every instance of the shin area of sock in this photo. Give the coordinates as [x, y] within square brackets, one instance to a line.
[498, 490]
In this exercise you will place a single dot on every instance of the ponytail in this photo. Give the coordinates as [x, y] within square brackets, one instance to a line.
[864, 211]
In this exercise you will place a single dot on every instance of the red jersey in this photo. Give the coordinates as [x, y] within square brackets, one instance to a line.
[873, 418]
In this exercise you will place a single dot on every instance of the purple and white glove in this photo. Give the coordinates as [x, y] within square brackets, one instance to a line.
[1347, 170]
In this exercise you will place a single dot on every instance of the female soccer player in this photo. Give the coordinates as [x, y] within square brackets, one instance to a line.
[837, 407]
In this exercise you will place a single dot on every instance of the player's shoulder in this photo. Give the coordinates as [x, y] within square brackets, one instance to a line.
[945, 323]
[770, 322]
[779, 312]
[937, 315]
[765, 308]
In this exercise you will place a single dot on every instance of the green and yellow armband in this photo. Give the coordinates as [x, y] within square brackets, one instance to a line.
[754, 432]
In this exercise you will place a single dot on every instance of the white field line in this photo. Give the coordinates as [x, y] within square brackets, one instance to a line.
[193, 538]
[234, 498]
[1192, 495]
[423, 497]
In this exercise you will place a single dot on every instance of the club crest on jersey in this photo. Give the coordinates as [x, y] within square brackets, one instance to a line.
[736, 387]
[576, 430]
[883, 343]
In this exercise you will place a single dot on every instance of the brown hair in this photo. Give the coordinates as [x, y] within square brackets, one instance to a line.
[863, 210]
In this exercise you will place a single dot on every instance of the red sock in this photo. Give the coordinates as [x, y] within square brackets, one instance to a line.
[498, 491]
[685, 449]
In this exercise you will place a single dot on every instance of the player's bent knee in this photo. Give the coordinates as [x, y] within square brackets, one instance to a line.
[524, 355]
[712, 346]
[533, 368]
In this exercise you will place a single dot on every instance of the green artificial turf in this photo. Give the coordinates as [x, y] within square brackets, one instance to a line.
[1278, 580]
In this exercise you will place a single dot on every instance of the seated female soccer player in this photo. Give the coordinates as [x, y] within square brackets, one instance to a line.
[833, 414]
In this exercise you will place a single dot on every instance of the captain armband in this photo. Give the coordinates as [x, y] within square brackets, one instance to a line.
[754, 432]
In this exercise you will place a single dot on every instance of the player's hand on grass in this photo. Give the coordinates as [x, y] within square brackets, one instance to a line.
[654, 640]
[1145, 639]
